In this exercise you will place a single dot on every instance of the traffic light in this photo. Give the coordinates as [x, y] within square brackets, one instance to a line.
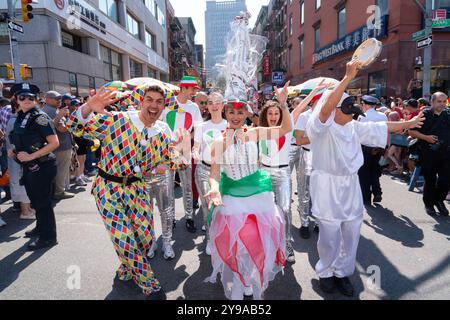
[9, 71]
[24, 71]
[27, 9]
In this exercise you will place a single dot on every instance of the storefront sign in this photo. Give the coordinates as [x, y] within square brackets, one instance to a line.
[277, 77]
[351, 41]
[87, 14]
[440, 14]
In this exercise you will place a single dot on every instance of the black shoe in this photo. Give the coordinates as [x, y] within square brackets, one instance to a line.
[31, 233]
[195, 205]
[316, 228]
[443, 211]
[40, 244]
[344, 286]
[190, 226]
[430, 211]
[327, 285]
[377, 198]
[304, 232]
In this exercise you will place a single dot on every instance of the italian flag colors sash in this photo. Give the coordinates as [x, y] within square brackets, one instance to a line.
[256, 183]
[177, 120]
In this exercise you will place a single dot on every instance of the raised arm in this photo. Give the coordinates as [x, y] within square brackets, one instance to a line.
[336, 95]
[269, 133]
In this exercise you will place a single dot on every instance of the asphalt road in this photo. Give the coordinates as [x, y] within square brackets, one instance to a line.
[403, 254]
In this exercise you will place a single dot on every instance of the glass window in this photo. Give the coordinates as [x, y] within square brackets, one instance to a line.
[302, 12]
[290, 25]
[302, 52]
[133, 26]
[71, 41]
[112, 63]
[110, 8]
[135, 69]
[341, 23]
[162, 49]
[150, 4]
[149, 39]
[317, 38]
[377, 83]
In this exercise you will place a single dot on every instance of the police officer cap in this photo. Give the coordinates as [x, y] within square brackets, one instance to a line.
[24, 88]
[370, 100]
[67, 96]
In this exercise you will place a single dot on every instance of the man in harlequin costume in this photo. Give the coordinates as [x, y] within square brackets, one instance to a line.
[185, 114]
[130, 150]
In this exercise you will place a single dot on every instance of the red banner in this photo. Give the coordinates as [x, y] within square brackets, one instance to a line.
[266, 66]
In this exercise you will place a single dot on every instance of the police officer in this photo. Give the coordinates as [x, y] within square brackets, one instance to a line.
[370, 172]
[434, 154]
[34, 139]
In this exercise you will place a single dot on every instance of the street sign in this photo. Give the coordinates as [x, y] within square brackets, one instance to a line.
[425, 42]
[16, 27]
[443, 23]
[419, 35]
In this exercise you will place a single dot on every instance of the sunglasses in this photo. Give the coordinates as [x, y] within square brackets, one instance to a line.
[203, 103]
[29, 97]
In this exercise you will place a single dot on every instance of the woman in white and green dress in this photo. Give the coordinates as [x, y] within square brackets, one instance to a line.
[247, 227]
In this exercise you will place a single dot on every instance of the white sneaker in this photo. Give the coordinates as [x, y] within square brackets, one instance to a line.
[203, 228]
[86, 179]
[168, 250]
[152, 250]
[290, 256]
[248, 291]
[208, 248]
[2, 223]
[80, 183]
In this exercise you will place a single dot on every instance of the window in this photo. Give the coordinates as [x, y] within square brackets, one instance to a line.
[377, 83]
[162, 49]
[150, 40]
[71, 41]
[302, 52]
[133, 26]
[302, 12]
[112, 64]
[341, 22]
[318, 2]
[73, 84]
[317, 38]
[91, 83]
[150, 4]
[290, 25]
[151, 72]
[135, 69]
[110, 8]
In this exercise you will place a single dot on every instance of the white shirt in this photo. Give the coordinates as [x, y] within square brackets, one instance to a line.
[205, 134]
[187, 119]
[373, 115]
[337, 149]
[337, 156]
[301, 124]
[274, 153]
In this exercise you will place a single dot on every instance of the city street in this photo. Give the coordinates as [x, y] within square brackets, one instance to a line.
[402, 247]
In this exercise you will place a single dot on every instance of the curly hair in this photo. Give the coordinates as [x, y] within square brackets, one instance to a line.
[263, 116]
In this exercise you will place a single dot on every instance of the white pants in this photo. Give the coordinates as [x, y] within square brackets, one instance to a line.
[337, 246]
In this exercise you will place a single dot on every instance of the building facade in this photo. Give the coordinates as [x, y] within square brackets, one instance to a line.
[77, 45]
[218, 16]
[321, 37]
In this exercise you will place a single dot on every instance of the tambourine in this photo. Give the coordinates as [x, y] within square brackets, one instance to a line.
[368, 52]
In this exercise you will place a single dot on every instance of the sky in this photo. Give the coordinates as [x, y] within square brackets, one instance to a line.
[196, 10]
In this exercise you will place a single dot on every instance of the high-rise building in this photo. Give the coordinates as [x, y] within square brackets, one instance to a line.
[218, 16]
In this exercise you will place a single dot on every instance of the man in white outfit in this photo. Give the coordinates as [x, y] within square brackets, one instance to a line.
[336, 195]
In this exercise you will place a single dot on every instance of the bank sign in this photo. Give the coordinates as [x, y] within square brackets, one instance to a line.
[351, 41]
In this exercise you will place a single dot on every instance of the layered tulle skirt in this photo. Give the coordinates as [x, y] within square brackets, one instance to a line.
[247, 236]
